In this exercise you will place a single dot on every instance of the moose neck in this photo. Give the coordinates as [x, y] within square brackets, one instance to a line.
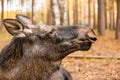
[15, 55]
[11, 54]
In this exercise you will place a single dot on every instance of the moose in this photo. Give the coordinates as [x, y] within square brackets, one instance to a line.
[36, 51]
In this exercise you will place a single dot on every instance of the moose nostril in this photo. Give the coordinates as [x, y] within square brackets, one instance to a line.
[91, 36]
[93, 39]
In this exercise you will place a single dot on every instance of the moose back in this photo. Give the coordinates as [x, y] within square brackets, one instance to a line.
[36, 51]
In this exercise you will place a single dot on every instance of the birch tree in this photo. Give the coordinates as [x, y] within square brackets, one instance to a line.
[59, 12]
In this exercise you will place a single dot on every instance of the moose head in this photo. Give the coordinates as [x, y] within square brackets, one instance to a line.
[44, 44]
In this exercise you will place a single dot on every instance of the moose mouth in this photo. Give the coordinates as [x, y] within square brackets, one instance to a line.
[86, 45]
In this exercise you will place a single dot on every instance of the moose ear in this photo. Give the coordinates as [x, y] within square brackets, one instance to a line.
[24, 19]
[14, 27]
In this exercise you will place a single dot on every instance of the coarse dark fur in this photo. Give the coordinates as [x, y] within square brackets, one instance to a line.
[36, 51]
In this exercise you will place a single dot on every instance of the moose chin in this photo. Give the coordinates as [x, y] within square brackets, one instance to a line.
[36, 51]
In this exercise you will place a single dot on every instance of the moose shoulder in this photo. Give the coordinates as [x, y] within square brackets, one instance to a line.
[36, 51]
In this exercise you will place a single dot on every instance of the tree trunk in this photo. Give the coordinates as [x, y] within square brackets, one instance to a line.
[94, 15]
[75, 12]
[22, 4]
[80, 12]
[114, 17]
[101, 17]
[106, 18]
[118, 20]
[68, 12]
[33, 3]
[49, 12]
[89, 13]
[63, 12]
[58, 10]
[111, 14]
[55, 12]
[2, 13]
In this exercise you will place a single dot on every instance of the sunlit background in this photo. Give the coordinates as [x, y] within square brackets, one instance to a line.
[13, 7]
[102, 61]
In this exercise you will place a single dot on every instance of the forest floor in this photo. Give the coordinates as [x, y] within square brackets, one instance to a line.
[107, 68]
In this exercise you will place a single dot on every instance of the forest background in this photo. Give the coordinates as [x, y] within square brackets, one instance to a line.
[102, 61]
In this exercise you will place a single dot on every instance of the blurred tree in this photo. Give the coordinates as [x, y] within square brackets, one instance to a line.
[63, 11]
[68, 12]
[33, 3]
[106, 14]
[22, 4]
[8, 7]
[114, 14]
[2, 13]
[49, 12]
[43, 13]
[111, 6]
[118, 20]
[75, 12]
[101, 17]
[94, 15]
[79, 12]
[58, 10]
[89, 13]
[55, 12]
